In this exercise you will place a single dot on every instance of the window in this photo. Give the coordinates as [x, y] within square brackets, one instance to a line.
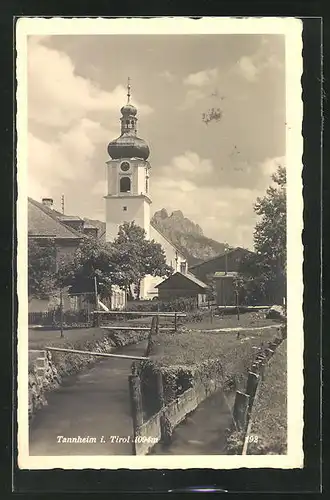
[183, 267]
[147, 184]
[125, 209]
[125, 185]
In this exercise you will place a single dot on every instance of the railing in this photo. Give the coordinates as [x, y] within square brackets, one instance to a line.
[99, 314]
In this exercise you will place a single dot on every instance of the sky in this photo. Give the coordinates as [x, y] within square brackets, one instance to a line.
[213, 173]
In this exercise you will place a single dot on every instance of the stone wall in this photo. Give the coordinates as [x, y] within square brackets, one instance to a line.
[47, 370]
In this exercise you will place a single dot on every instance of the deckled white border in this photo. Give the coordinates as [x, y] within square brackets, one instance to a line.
[292, 29]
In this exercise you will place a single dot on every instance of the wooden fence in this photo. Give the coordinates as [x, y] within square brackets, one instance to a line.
[55, 317]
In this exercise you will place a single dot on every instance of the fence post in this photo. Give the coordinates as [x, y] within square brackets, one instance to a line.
[175, 322]
[251, 387]
[136, 403]
[153, 330]
[240, 410]
[237, 304]
[159, 390]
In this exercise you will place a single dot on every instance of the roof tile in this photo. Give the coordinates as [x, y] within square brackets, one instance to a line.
[41, 222]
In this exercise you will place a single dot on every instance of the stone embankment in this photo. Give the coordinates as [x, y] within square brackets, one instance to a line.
[48, 369]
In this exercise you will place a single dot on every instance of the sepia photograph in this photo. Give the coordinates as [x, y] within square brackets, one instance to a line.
[160, 258]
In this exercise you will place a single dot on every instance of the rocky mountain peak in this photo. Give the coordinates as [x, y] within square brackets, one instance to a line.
[186, 235]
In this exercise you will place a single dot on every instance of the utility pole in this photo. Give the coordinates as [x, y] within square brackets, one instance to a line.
[62, 203]
[224, 282]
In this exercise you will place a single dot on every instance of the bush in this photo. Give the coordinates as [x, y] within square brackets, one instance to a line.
[182, 304]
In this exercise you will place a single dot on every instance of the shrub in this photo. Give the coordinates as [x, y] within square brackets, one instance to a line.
[182, 304]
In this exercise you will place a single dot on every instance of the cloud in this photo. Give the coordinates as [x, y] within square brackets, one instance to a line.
[57, 96]
[188, 166]
[202, 78]
[67, 157]
[168, 76]
[225, 212]
[99, 188]
[70, 120]
[248, 69]
[192, 97]
[269, 166]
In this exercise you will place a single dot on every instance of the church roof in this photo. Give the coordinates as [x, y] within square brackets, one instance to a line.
[169, 241]
[128, 144]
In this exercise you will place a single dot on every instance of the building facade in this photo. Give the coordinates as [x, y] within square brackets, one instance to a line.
[66, 232]
[227, 262]
[183, 285]
[128, 192]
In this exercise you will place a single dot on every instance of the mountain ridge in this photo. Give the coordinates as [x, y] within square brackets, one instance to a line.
[187, 236]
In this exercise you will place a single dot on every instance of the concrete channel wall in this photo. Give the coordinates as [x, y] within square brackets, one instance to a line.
[156, 428]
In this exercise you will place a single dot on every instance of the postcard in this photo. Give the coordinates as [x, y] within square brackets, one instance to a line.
[160, 257]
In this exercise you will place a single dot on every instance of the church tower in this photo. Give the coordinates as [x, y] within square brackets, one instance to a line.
[128, 197]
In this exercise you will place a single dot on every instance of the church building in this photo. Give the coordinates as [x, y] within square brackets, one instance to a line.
[128, 192]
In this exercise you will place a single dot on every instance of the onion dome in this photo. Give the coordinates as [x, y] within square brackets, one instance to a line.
[128, 145]
[128, 109]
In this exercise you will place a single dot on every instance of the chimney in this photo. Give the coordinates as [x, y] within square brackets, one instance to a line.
[48, 202]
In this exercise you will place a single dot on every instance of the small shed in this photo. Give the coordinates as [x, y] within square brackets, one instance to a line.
[183, 285]
[227, 261]
[225, 288]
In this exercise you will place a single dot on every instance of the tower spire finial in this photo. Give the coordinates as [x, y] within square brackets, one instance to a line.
[128, 90]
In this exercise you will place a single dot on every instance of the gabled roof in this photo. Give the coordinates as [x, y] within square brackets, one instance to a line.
[187, 276]
[236, 249]
[43, 221]
[165, 238]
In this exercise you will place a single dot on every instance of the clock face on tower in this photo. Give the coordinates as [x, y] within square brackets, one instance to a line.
[125, 166]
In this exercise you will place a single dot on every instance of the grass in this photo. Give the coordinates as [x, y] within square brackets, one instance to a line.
[269, 416]
[246, 320]
[195, 347]
[38, 339]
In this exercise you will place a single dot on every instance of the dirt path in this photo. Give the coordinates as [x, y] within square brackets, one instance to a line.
[93, 404]
[242, 328]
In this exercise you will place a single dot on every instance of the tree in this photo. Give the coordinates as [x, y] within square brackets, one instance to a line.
[124, 263]
[266, 268]
[41, 268]
[92, 259]
[137, 258]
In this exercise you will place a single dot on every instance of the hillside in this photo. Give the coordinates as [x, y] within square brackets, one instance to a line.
[186, 236]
